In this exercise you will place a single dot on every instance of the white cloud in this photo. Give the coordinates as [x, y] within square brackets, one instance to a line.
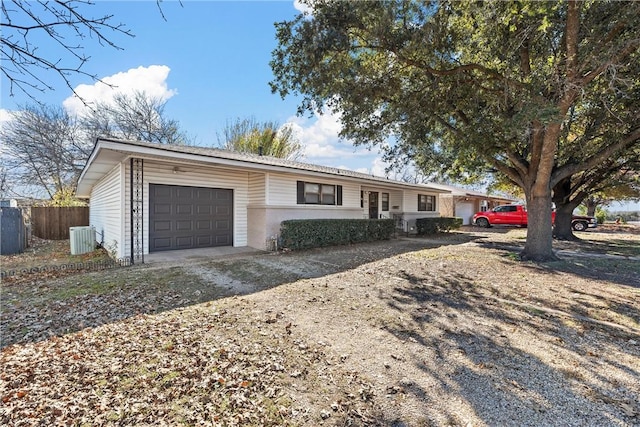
[319, 136]
[151, 80]
[323, 146]
[302, 8]
[378, 167]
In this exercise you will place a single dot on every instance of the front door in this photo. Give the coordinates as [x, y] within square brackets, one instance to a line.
[373, 205]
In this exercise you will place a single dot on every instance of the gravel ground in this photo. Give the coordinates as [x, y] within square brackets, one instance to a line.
[444, 331]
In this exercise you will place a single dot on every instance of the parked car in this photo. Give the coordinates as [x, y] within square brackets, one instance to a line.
[517, 215]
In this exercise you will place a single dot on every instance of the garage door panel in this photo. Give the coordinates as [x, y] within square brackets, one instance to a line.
[223, 196]
[184, 242]
[183, 193]
[189, 217]
[223, 210]
[184, 225]
[184, 209]
[161, 243]
[203, 225]
[204, 241]
[161, 225]
[203, 194]
[203, 209]
[223, 225]
[161, 191]
[223, 240]
[162, 209]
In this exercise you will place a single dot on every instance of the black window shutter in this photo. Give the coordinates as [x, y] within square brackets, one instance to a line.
[339, 195]
[301, 192]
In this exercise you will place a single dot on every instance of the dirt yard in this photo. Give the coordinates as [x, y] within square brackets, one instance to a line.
[443, 331]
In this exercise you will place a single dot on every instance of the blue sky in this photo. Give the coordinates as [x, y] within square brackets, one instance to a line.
[210, 61]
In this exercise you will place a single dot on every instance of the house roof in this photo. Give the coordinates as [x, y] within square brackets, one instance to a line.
[463, 192]
[107, 153]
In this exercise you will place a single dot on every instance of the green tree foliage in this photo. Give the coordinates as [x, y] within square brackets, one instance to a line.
[463, 85]
[268, 138]
[66, 197]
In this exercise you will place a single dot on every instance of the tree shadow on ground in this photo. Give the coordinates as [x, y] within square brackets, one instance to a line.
[41, 308]
[507, 362]
[597, 266]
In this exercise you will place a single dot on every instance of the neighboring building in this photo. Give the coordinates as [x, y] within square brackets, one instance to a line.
[8, 203]
[156, 197]
[463, 203]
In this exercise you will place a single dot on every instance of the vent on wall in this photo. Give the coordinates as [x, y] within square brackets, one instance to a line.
[82, 239]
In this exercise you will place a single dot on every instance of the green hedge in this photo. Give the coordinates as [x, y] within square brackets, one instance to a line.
[437, 225]
[312, 233]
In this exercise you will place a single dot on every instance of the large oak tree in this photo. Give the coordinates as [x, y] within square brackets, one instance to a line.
[492, 82]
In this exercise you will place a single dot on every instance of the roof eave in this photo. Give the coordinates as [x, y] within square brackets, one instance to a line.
[133, 148]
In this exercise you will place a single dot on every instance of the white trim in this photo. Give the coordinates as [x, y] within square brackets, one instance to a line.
[162, 153]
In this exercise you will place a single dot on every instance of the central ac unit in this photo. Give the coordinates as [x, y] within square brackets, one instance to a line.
[82, 239]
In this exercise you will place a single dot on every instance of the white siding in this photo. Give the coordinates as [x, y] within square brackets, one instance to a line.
[256, 190]
[282, 190]
[105, 212]
[410, 203]
[395, 202]
[411, 212]
[193, 176]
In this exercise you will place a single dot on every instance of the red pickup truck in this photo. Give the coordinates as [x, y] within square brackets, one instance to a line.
[517, 215]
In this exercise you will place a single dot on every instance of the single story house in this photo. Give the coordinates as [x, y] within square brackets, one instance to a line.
[146, 197]
[463, 203]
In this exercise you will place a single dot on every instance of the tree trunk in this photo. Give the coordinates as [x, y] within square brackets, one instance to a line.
[539, 244]
[591, 207]
[562, 226]
[564, 210]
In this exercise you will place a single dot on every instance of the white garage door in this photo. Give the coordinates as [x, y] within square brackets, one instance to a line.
[465, 211]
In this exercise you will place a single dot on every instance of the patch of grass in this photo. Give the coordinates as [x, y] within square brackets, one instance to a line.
[65, 293]
[512, 256]
[49, 253]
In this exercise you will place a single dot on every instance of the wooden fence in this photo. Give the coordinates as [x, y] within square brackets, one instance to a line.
[53, 223]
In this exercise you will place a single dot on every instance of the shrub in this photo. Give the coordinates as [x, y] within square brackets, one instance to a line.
[312, 233]
[437, 225]
[601, 216]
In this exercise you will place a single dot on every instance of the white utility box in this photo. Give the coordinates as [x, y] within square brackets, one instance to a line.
[83, 240]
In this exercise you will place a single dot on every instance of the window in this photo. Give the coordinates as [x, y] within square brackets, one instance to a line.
[385, 202]
[505, 208]
[311, 193]
[426, 203]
